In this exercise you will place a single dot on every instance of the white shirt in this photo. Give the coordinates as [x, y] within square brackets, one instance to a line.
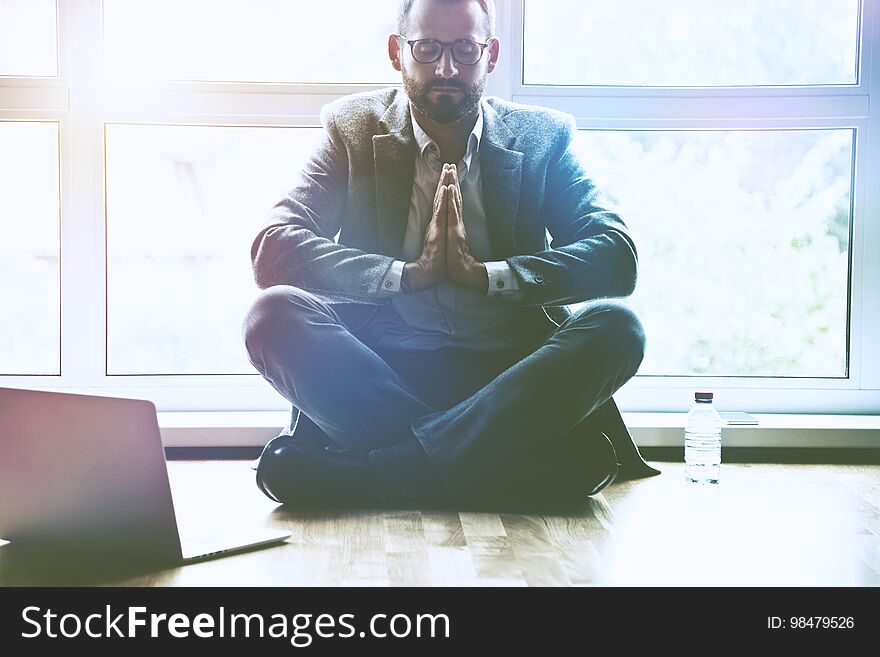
[447, 315]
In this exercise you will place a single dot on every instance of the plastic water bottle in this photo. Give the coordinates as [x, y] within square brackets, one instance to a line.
[702, 441]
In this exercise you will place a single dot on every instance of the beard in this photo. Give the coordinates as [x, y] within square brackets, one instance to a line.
[445, 109]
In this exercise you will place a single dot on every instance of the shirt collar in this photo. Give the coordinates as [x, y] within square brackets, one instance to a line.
[425, 142]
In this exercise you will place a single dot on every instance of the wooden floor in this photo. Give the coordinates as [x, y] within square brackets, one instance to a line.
[764, 525]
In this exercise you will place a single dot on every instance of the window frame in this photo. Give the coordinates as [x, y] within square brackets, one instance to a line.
[82, 101]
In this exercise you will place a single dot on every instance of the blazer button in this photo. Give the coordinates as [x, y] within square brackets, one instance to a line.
[499, 284]
[388, 284]
[538, 279]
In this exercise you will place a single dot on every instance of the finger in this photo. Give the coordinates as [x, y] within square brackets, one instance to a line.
[449, 173]
[440, 186]
[442, 222]
[455, 188]
[455, 200]
[455, 197]
[436, 228]
[454, 220]
[442, 182]
[444, 201]
[439, 197]
[451, 215]
[444, 212]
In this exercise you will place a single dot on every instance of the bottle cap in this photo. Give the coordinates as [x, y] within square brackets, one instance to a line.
[703, 396]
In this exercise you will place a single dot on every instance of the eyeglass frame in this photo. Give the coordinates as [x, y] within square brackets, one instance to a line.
[443, 46]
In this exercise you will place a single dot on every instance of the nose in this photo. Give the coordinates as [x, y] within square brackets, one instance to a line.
[446, 67]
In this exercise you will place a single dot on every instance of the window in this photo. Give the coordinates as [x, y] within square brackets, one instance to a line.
[691, 43]
[142, 145]
[785, 210]
[30, 302]
[28, 40]
[264, 41]
[178, 280]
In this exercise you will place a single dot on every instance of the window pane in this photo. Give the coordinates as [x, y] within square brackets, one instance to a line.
[743, 242]
[184, 204]
[254, 40]
[30, 281]
[690, 42]
[27, 38]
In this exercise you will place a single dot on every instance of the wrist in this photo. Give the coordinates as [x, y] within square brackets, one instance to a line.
[482, 277]
[414, 276]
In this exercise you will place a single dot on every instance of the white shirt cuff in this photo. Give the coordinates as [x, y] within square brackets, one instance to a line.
[502, 281]
[391, 283]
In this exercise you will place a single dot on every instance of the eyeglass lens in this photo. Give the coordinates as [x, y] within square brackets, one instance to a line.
[464, 52]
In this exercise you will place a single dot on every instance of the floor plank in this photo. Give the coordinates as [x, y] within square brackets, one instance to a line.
[763, 525]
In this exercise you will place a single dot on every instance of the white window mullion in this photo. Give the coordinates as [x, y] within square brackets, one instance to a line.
[501, 82]
[869, 246]
[512, 43]
[661, 396]
[611, 111]
[197, 103]
[32, 98]
[82, 217]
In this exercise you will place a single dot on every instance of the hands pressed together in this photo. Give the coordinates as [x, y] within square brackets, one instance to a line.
[445, 252]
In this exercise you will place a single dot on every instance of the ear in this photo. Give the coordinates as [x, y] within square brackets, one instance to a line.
[394, 51]
[494, 51]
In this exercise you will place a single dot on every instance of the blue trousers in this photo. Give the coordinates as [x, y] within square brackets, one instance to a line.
[477, 415]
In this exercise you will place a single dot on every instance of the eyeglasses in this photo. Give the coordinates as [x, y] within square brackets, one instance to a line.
[428, 51]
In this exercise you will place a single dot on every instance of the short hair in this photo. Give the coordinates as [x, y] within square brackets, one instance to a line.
[488, 7]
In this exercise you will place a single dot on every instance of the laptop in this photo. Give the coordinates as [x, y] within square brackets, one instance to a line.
[89, 473]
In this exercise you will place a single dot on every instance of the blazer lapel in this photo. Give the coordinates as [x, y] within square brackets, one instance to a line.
[394, 162]
[501, 170]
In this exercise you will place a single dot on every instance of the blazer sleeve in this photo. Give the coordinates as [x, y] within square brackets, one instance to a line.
[297, 246]
[591, 254]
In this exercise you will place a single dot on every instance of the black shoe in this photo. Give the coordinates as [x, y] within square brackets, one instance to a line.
[630, 461]
[636, 471]
[577, 466]
[301, 472]
[599, 462]
[583, 465]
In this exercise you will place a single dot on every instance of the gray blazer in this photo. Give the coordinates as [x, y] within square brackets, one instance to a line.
[356, 187]
[358, 184]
